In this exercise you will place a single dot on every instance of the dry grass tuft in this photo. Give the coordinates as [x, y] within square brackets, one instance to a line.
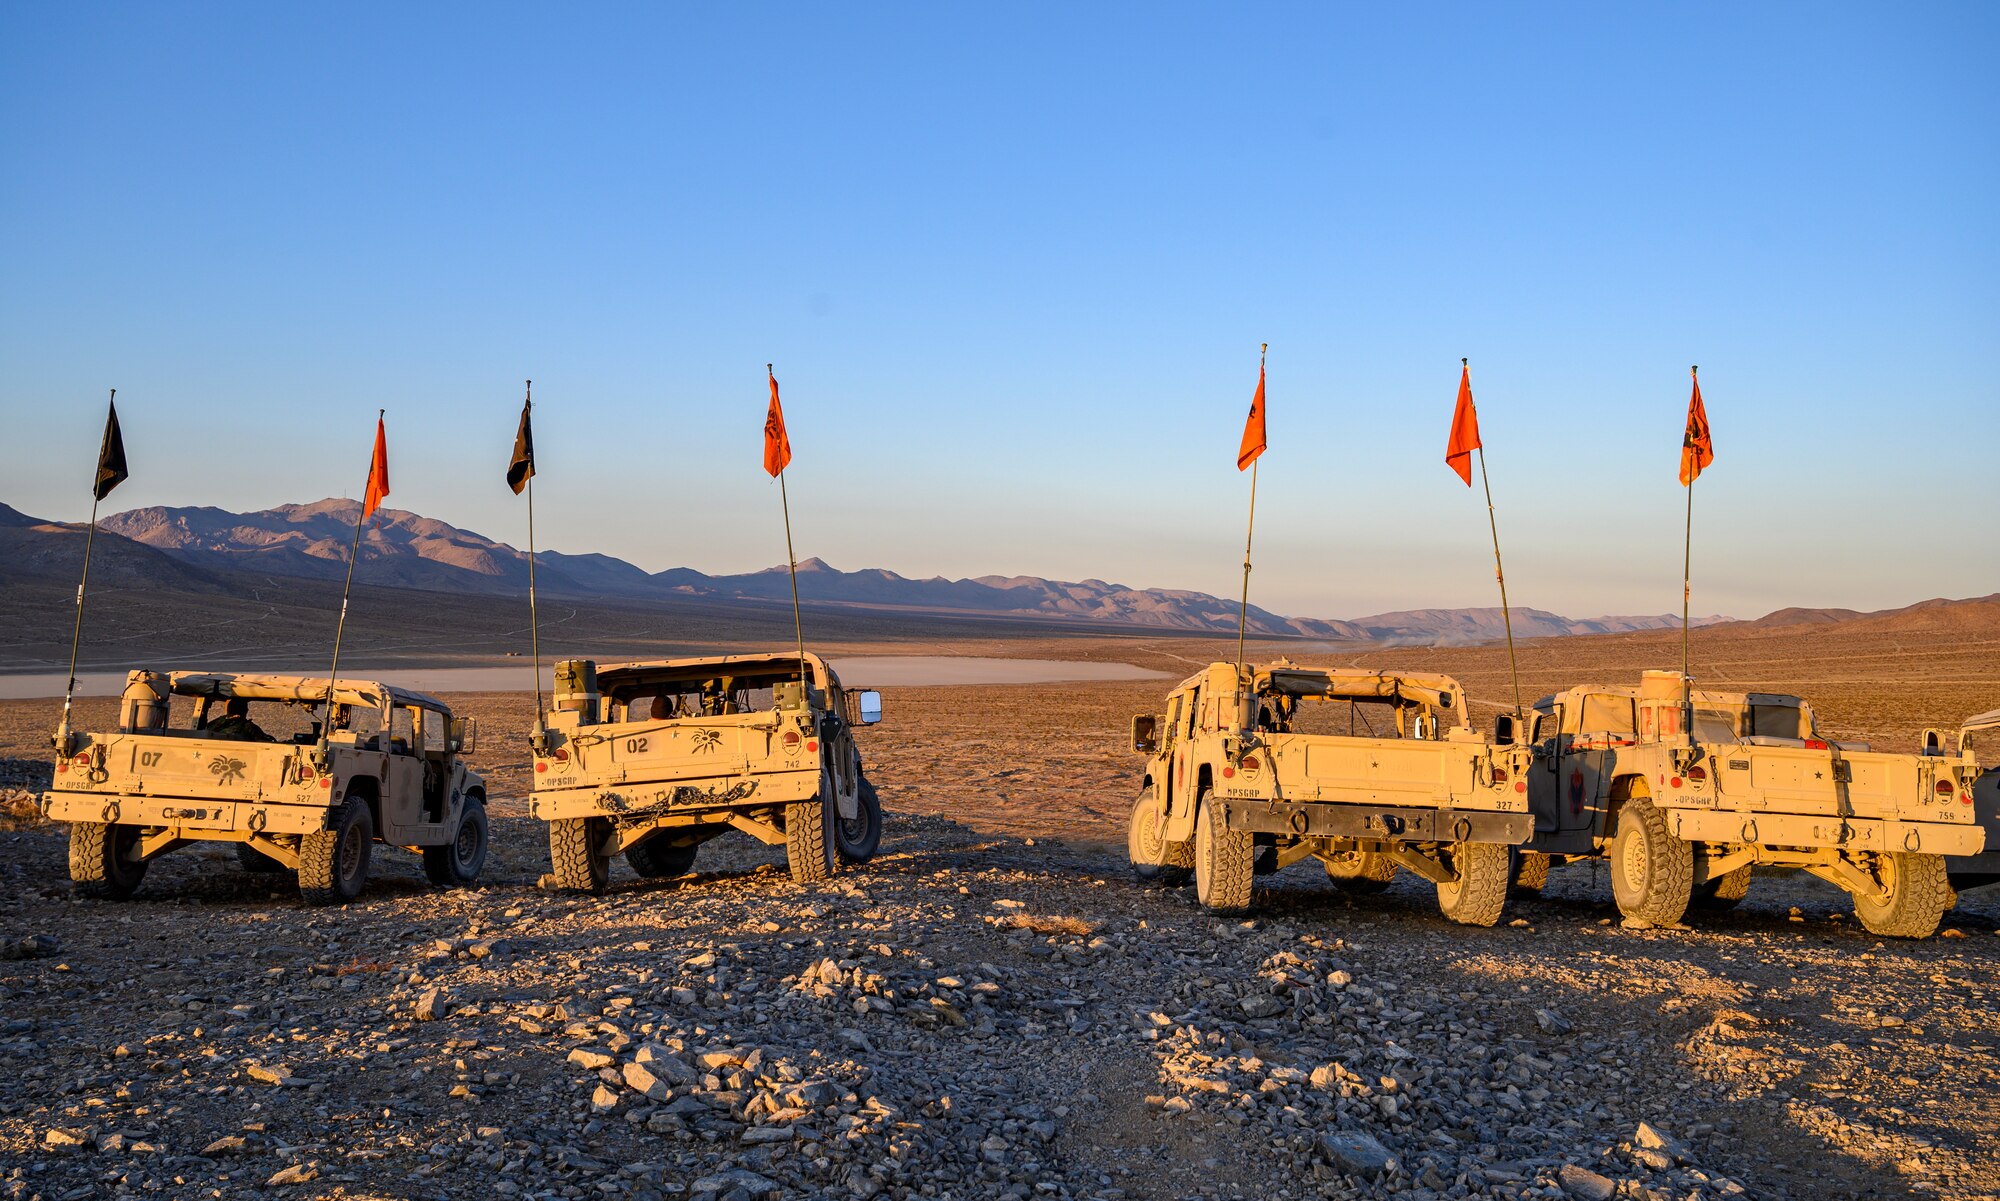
[1042, 923]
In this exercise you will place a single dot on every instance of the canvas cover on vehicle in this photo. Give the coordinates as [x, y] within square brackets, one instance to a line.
[1363, 685]
[366, 694]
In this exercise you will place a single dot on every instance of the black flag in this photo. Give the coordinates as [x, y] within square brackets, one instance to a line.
[110, 457]
[522, 466]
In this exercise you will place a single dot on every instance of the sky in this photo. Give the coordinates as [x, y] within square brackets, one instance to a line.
[1014, 264]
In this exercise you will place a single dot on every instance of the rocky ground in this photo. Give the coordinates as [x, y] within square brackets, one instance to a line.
[970, 1016]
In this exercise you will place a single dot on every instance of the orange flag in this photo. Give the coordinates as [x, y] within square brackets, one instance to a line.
[1697, 448]
[777, 447]
[378, 474]
[1253, 426]
[1464, 430]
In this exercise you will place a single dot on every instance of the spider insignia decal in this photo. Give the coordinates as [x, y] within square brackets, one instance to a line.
[226, 770]
[706, 741]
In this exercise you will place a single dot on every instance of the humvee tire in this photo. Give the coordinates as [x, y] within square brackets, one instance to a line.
[333, 864]
[811, 848]
[1652, 872]
[1919, 896]
[1360, 872]
[1531, 873]
[860, 838]
[458, 862]
[657, 858]
[1223, 860]
[1155, 860]
[577, 857]
[100, 863]
[1724, 891]
[250, 859]
[1479, 895]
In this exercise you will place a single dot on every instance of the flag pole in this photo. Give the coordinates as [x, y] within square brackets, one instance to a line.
[1687, 564]
[354, 552]
[1499, 572]
[1243, 614]
[76, 634]
[792, 565]
[534, 618]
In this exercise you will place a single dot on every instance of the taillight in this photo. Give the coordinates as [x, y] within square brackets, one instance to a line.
[1697, 775]
[1499, 775]
[1944, 788]
[791, 741]
[561, 754]
[1250, 765]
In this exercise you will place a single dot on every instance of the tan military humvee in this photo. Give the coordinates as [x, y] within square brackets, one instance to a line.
[1235, 785]
[1980, 736]
[185, 766]
[1684, 815]
[654, 759]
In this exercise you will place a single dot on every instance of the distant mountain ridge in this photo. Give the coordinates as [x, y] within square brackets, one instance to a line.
[202, 548]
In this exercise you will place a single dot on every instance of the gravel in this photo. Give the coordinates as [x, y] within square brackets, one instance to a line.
[971, 1017]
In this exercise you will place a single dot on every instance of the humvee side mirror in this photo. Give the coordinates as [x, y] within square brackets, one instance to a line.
[463, 736]
[1507, 730]
[871, 707]
[1145, 733]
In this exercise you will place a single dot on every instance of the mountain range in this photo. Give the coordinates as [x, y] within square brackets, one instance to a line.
[201, 548]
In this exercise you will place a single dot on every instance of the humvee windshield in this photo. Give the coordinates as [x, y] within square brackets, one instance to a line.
[660, 692]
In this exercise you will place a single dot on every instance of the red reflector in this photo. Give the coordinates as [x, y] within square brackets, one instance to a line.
[1965, 798]
[540, 766]
[62, 765]
[1228, 772]
[1814, 744]
[327, 782]
[1520, 786]
[812, 744]
[1675, 782]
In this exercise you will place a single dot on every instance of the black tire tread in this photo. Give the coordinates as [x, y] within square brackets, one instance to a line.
[573, 857]
[1917, 908]
[91, 845]
[1670, 876]
[1486, 871]
[1372, 873]
[809, 840]
[319, 856]
[1229, 857]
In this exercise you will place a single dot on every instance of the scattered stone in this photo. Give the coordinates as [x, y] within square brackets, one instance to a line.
[1586, 1185]
[431, 1005]
[1356, 1153]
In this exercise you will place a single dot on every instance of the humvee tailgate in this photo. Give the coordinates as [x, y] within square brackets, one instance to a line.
[1817, 781]
[186, 766]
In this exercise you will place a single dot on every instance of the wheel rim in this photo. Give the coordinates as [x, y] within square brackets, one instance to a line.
[467, 845]
[350, 853]
[1448, 890]
[1633, 859]
[1146, 842]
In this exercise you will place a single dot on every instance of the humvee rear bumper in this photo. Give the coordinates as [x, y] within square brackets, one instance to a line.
[191, 814]
[1837, 833]
[1386, 824]
[666, 798]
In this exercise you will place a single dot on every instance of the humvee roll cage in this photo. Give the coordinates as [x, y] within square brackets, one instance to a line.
[363, 694]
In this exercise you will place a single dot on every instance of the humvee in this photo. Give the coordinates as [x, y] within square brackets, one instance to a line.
[1982, 869]
[653, 759]
[1234, 785]
[375, 764]
[1684, 814]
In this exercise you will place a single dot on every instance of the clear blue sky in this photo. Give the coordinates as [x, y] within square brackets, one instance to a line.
[1013, 264]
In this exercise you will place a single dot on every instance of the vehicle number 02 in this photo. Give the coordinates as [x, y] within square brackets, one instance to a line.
[635, 746]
